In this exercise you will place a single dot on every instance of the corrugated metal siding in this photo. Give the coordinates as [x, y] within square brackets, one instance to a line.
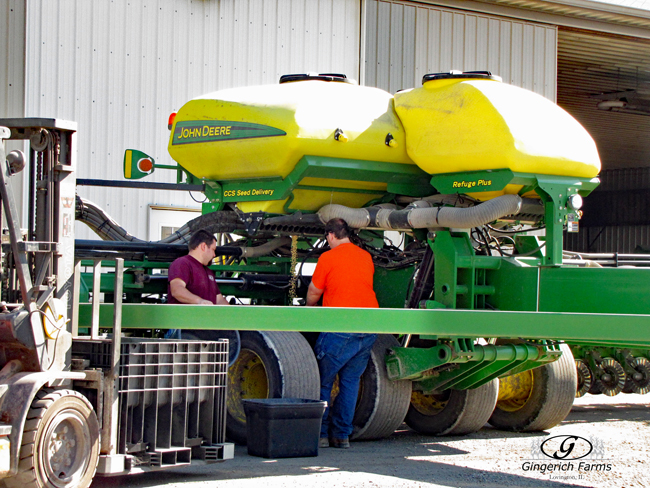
[624, 239]
[605, 16]
[120, 67]
[406, 41]
[621, 199]
[624, 179]
[12, 79]
[12, 58]
[590, 64]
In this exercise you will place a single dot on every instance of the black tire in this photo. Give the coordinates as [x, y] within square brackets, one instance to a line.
[546, 402]
[60, 446]
[270, 365]
[452, 412]
[382, 403]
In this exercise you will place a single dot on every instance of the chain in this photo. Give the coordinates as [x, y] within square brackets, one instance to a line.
[294, 261]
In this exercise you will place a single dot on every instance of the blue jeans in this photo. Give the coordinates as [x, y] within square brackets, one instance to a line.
[346, 355]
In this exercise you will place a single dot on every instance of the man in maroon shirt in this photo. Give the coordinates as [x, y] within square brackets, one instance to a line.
[190, 279]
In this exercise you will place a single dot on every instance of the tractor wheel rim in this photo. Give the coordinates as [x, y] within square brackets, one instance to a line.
[431, 404]
[66, 448]
[247, 378]
[515, 391]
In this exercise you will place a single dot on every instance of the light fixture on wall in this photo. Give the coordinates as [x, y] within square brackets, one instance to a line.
[626, 101]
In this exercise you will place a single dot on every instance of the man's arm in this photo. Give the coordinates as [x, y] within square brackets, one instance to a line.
[313, 295]
[221, 300]
[180, 292]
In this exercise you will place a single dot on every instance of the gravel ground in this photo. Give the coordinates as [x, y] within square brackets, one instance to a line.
[617, 427]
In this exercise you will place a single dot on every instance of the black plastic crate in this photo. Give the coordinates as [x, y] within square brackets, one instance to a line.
[96, 351]
[283, 427]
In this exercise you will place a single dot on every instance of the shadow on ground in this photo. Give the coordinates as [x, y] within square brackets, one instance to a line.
[405, 459]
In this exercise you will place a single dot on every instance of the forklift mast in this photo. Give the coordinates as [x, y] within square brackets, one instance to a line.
[38, 271]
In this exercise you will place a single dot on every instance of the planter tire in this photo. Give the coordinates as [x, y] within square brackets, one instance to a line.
[452, 412]
[545, 397]
[382, 403]
[269, 365]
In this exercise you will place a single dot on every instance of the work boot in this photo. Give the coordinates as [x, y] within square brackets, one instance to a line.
[323, 442]
[340, 443]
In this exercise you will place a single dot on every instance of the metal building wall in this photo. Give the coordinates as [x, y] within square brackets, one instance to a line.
[625, 239]
[404, 41]
[12, 78]
[119, 69]
[616, 214]
[12, 58]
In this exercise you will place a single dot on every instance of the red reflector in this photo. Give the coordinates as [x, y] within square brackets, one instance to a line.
[171, 119]
[145, 165]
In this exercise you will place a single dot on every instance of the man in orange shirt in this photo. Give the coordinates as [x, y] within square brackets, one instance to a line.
[344, 277]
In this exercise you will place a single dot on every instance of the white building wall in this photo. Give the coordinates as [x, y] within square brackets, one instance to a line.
[12, 58]
[120, 67]
[12, 77]
[405, 41]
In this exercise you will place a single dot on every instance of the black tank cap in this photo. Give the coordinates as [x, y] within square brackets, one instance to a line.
[341, 78]
[484, 75]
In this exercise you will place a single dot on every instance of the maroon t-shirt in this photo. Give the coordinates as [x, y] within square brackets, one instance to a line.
[198, 279]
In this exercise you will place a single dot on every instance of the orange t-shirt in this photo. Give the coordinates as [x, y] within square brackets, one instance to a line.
[345, 276]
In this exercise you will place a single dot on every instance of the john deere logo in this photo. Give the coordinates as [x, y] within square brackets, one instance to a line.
[197, 131]
[566, 447]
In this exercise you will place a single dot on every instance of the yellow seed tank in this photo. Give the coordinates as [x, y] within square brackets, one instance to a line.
[455, 124]
[452, 124]
[263, 131]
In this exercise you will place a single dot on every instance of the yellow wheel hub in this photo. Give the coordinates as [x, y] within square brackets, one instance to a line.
[247, 378]
[429, 404]
[515, 391]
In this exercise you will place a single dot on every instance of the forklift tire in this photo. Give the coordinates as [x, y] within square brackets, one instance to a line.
[60, 445]
[452, 412]
[382, 403]
[545, 396]
[269, 365]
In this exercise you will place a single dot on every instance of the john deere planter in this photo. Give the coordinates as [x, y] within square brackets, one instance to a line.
[461, 190]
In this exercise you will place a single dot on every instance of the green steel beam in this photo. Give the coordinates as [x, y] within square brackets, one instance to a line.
[408, 363]
[605, 329]
[471, 369]
[569, 289]
[489, 362]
